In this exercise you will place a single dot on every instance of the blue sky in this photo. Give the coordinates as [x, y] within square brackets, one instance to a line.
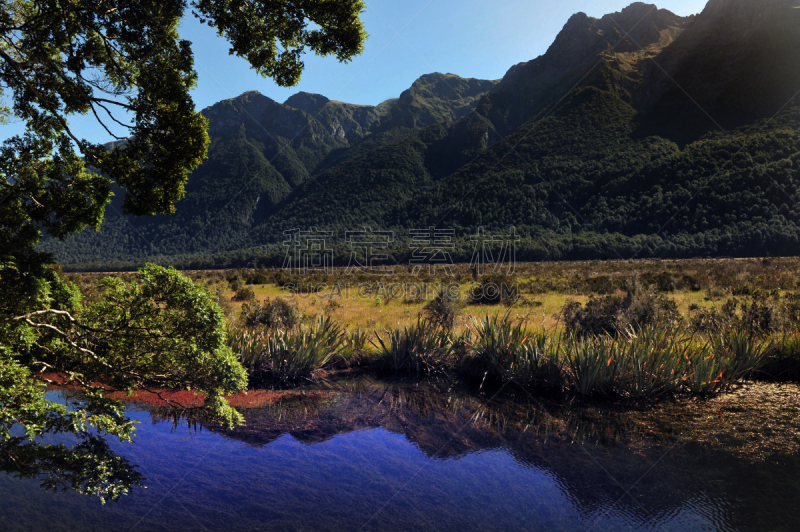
[408, 38]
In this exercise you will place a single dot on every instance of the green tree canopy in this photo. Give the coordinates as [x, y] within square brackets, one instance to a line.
[123, 63]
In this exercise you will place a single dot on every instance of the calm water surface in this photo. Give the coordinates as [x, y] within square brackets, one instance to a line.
[377, 456]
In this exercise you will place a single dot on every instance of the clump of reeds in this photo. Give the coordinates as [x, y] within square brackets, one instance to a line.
[591, 363]
[421, 348]
[288, 354]
[724, 360]
[502, 351]
[660, 360]
[643, 363]
[652, 361]
[355, 348]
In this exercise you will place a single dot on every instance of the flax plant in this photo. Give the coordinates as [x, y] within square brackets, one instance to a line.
[291, 354]
[420, 348]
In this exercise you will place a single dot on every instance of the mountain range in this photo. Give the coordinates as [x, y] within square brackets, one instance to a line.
[638, 134]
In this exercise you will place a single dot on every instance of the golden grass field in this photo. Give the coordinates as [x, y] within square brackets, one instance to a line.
[352, 311]
[555, 284]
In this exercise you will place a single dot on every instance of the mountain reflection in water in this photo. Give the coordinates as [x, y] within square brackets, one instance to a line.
[395, 456]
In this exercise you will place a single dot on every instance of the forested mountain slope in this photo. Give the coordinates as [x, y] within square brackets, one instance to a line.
[638, 134]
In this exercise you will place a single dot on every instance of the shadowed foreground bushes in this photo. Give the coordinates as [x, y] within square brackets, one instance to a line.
[425, 347]
[501, 351]
[288, 354]
[647, 362]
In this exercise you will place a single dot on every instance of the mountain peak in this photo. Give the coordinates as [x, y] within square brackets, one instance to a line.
[638, 9]
[438, 97]
[306, 101]
[637, 16]
[578, 20]
[249, 96]
[246, 98]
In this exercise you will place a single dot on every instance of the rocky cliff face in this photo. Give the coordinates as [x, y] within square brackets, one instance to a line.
[736, 62]
[583, 45]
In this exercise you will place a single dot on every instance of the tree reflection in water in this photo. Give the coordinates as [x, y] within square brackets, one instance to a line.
[90, 466]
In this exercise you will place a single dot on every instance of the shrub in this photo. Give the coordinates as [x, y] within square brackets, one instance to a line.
[665, 282]
[690, 283]
[599, 285]
[713, 320]
[495, 290]
[244, 294]
[234, 283]
[273, 313]
[258, 277]
[647, 308]
[613, 313]
[445, 307]
[760, 315]
[598, 316]
[297, 284]
[792, 311]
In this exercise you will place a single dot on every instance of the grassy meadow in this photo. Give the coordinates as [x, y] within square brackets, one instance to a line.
[622, 330]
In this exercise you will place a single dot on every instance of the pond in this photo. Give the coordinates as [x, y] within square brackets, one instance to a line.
[370, 455]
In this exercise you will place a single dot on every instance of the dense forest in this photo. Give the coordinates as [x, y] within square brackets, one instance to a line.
[640, 134]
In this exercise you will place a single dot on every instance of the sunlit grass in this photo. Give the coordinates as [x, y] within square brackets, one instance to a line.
[527, 343]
